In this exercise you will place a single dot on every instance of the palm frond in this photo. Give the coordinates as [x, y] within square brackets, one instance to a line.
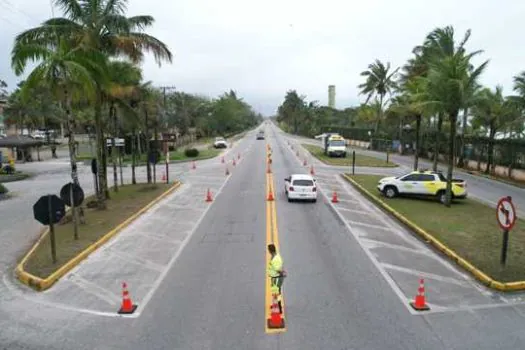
[24, 53]
[139, 23]
[71, 8]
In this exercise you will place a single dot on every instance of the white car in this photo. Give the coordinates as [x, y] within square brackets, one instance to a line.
[300, 187]
[220, 142]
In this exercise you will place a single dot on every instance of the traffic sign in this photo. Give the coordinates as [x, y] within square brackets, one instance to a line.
[78, 194]
[506, 213]
[49, 209]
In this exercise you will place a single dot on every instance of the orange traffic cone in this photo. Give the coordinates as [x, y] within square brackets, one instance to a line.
[312, 171]
[208, 196]
[222, 160]
[270, 195]
[164, 177]
[127, 306]
[193, 166]
[275, 320]
[234, 163]
[227, 171]
[419, 302]
[334, 197]
[238, 156]
[304, 162]
[269, 169]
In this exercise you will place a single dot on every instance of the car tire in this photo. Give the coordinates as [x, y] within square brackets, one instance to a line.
[442, 197]
[289, 199]
[314, 200]
[390, 191]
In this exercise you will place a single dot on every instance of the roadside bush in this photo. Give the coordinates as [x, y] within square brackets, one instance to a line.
[191, 152]
[7, 170]
[3, 189]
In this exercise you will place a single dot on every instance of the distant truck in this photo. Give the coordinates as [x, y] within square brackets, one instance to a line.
[334, 145]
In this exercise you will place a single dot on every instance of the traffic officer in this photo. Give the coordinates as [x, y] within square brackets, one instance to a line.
[276, 273]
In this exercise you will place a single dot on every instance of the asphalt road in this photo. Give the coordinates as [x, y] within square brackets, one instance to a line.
[212, 297]
[483, 189]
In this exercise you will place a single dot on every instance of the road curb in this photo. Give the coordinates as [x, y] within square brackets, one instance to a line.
[41, 284]
[465, 264]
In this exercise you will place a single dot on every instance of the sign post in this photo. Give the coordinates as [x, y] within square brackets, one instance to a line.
[48, 210]
[353, 162]
[506, 216]
[167, 157]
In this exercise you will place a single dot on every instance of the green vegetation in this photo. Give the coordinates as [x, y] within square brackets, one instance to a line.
[360, 160]
[468, 227]
[17, 176]
[129, 200]
[3, 189]
[179, 155]
[96, 86]
[422, 104]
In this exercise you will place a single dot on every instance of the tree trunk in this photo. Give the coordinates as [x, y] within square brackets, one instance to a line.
[451, 150]
[437, 144]
[113, 118]
[461, 161]
[401, 143]
[379, 114]
[148, 148]
[156, 138]
[72, 156]
[490, 150]
[101, 173]
[416, 150]
[133, 154]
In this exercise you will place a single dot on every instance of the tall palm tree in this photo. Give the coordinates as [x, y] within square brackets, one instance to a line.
[380, 81]
[446, 85]
[101, 25]
[67, 72]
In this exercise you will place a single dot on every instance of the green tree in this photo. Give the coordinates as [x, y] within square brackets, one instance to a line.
[100, 25]
[380, 81]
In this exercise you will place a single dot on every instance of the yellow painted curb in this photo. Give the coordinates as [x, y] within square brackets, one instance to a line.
[41, 284]
[478, 274]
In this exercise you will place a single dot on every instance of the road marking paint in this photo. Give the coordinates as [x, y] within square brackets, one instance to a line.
[144, 302]
[162, 238]
[354, 210]
[373, 243]
[433, 276]
[136, 260]
[94, 289]
[358, 223]
[272, 236]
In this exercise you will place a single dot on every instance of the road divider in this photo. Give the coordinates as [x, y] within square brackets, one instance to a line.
[427, 237]
[41, 284]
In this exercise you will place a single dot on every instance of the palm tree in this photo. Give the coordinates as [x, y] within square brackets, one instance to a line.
[66, 71]
[101, 25]
[446, 85]
[379, 81]
[493, 112]
[124, 78]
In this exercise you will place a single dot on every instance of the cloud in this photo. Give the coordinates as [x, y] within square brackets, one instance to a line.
[263, 49]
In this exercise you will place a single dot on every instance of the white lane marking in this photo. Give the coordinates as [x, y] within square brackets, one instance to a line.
[144, 302]
[348, 201]
[94, 289]
[157, 237]
[16, 291]
[433, 276]
[354, 210]
[404, 300]
[136, 260]
[372, 243]
[358, 223]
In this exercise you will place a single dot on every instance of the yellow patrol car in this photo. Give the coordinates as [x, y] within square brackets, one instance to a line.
[422, 183]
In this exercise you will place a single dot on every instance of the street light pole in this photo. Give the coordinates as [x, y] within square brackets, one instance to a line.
[166, 152]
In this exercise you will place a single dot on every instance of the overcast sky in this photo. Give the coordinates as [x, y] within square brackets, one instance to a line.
[261, 49]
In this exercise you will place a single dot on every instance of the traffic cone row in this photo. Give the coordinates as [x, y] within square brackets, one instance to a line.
[275, 320]
[312, 171]
[227, 171]
[127, 306]
[419, 302]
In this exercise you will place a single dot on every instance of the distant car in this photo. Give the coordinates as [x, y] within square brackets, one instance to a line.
[422, 183]
[300, 187]
[220, 142]
[260, 135]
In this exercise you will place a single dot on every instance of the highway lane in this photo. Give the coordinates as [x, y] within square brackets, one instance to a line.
[213, 296]
[483, 189]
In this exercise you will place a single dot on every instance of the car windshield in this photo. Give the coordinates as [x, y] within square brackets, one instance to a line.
[302, 182]
[442, 177]
[337, 143]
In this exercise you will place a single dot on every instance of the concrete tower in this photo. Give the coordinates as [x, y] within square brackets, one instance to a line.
[331, 96]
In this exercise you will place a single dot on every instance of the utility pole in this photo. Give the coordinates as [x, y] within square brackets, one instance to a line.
[166, 153]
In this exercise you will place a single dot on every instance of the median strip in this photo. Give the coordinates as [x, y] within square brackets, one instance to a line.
[360, 159]
[467, 233]
[37, 270]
